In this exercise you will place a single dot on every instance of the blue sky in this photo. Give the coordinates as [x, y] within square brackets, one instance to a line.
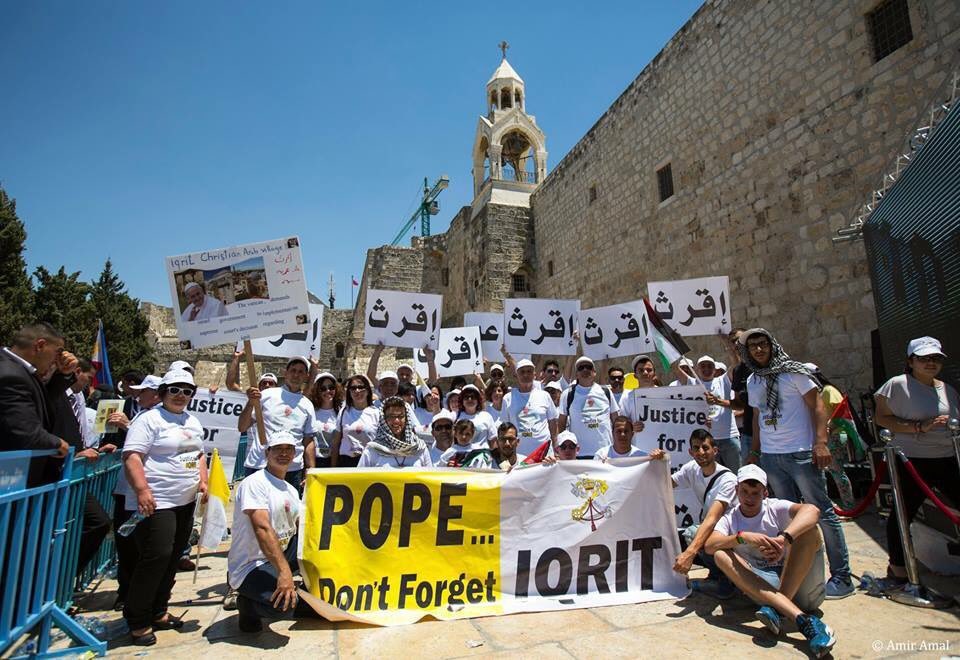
[139, 130]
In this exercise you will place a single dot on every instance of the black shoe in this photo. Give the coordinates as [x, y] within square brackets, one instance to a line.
[249, 622]
[119, 604]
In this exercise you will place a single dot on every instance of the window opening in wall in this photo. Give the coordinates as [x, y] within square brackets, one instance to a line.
[592, 193]
[338, 350]
[519, 283]
[445, 276]
[889, 27]
[665, 182]
[550, 268]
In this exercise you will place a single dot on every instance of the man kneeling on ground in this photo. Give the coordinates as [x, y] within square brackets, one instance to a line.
[264, 546]
[772, 550]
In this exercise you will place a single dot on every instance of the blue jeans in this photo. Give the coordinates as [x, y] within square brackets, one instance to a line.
[729, 453]
[794, 477]
[746, 440]
[259, 585]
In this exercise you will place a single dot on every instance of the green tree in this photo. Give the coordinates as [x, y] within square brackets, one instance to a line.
[64, 301]
[124, 326]
[16, 294]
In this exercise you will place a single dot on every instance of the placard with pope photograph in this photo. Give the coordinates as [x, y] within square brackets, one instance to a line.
[239, 292]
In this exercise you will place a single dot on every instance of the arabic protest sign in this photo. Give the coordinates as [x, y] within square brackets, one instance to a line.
[491, 332]
[607, 332]
[693, 307]
[410, 320]
[241, 292]
[460, 352]
[305, 343]
[669, 417]
[596, 535]
[218, 415]
[546, 327]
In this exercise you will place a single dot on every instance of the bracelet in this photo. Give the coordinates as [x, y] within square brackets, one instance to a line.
[740, 540]
[787, 536]
[755, 453]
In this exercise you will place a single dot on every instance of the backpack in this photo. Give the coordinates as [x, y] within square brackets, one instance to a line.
[573, 391]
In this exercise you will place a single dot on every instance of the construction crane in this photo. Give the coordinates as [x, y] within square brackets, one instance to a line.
[429, 206]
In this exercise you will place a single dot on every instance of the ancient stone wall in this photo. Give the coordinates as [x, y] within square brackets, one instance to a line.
[776, 123]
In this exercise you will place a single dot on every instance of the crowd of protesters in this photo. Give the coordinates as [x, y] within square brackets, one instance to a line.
[769, 433]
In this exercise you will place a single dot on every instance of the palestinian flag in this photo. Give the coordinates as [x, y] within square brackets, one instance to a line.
[842, 421]
[670, 345]
[538, 454]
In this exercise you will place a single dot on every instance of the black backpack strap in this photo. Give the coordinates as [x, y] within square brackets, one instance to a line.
[720, 471]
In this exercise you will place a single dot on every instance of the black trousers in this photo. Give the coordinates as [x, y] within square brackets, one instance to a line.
[96, 524]
[160, 540]
[938, 473]
[253, 596]
[127, 553]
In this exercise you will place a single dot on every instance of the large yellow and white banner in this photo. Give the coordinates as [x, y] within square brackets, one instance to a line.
[390, 547]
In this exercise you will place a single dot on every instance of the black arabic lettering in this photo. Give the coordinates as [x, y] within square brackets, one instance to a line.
[595, 339]
[632, 331]
[667, 312]
[378, 306]
[490, 334]
[557, 331]
[517, 331]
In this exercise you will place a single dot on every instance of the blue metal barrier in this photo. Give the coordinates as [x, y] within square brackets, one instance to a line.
[241, 457]
[95, 477]
[32, 535]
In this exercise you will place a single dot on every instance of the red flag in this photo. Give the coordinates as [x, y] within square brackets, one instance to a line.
[538, 454]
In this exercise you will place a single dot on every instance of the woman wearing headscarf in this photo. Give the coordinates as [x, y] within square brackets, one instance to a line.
[164, 463]
[396, 444]
[916, 407]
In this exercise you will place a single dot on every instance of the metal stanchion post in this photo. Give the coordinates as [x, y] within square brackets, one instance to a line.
[954, 426]
[913, 593]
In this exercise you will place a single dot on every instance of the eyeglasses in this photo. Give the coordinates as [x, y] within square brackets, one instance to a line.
[616, 377]
[443, 427]
[395, 416]
[552, 371]
[185, 391]
[758, 346]
[330, 388]
[928, 359]
[357, 388]
[585, 367]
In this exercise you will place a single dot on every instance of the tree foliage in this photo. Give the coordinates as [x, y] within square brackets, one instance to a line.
[124, 325]
[16, 294]
[64, 301]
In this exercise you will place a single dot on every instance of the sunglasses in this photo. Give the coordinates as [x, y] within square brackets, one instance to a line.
[616, 377]
[357, 388]
[585, 367]
[443, 427]
[552, 371]
[329, 388]
[185, 391]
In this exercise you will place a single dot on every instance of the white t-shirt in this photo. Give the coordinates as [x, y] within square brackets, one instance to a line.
[618, 397]
[210, 308]
[484, 428]
[371, 458]
[436, 454]
[724, 489]
[589, 417]
[529, 412]
[724, 424]
[260, 491]
[172, 445]
[422, 425]
[773, 518]
[628, 406]
[283, 410]
[325, 424]
[357, 428]
[608, 452]
[910, 399]
[564, 384]
[497, 415]
[793, 430]
[256, 458]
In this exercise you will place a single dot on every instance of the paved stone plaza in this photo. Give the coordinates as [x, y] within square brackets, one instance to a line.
[696, 626]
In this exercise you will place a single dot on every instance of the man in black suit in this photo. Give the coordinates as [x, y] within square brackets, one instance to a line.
[27, 418]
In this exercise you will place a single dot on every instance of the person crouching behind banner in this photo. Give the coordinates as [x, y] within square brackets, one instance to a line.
[442, 429]
[505, 455]
[622, 446]
[772, 550]
[463, 453]
[716, 488]
[263, 553]
[396, 444]
[164, 462]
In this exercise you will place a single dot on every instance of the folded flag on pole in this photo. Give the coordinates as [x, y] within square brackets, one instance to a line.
[100, 360]
[670, 345]
[842, 421]
[214, 525]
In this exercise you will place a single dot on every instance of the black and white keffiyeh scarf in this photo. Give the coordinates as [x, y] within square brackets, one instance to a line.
[408, 444]
[780, 363]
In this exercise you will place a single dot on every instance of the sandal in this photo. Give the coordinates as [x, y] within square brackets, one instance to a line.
[169, 623]
[146, 639]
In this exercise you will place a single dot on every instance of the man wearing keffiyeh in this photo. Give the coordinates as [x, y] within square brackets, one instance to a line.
[790, 440]
[396, 444]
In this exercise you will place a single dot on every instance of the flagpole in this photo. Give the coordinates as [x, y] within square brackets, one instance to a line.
[196, 561]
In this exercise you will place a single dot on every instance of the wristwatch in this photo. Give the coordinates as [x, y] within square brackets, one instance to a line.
[788, 536]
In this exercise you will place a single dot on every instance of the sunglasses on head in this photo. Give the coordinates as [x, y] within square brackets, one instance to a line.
[176, 389]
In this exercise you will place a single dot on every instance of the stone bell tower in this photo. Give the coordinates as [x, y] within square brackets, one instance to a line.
[509, 150]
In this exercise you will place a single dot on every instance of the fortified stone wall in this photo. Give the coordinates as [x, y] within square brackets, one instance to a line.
[776, 123]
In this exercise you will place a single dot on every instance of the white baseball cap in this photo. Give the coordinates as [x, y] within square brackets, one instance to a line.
[268, 376]
[281, 438]
[177, 376]
[583, 359]
[636, 360]
[553, 385]
[567, 436]
[496, 367]
[323, 374]
[924, 346]
[754, 472]
[388, 375]
[523, 363]
[443, 414]
[706, 358]
[301, 359]
[685, 362]
[472, 388]
[180, 365]
[150, 382]
[404, 366]
[719, 366]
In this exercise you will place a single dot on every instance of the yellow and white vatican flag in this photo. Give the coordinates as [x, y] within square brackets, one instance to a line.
[214, 525]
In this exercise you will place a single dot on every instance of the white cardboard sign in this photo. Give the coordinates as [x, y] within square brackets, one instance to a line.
[545, 327]
[616, 330]
[460, 352]
[695, 307]
[305, 343]
[491, 332]
[395, 318]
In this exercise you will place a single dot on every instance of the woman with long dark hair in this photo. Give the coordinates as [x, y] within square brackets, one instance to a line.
[327, 398]
[356, 423]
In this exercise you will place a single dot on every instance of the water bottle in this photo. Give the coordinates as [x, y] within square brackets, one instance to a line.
[126, 529]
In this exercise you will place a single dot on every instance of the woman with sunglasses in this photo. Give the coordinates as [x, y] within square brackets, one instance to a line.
[327, 398]
[495, 391]
[484, 428]
[164, 463]
[356, 423]
[916, 406]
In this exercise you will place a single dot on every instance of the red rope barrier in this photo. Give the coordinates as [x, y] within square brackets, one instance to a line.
[929, 493]
[865, 502]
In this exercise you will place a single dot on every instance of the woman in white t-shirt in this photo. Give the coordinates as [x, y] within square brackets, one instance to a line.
[485, 429]
[396, 444]
[495, 391]
[164, 463]
[916, 407]
[356, 423]
[327, 398]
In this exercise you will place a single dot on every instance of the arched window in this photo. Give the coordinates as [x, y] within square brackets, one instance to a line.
[518, 98]
[505, 99]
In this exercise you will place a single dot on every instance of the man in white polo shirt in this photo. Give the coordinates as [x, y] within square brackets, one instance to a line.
[531, 410]
[589, 408]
